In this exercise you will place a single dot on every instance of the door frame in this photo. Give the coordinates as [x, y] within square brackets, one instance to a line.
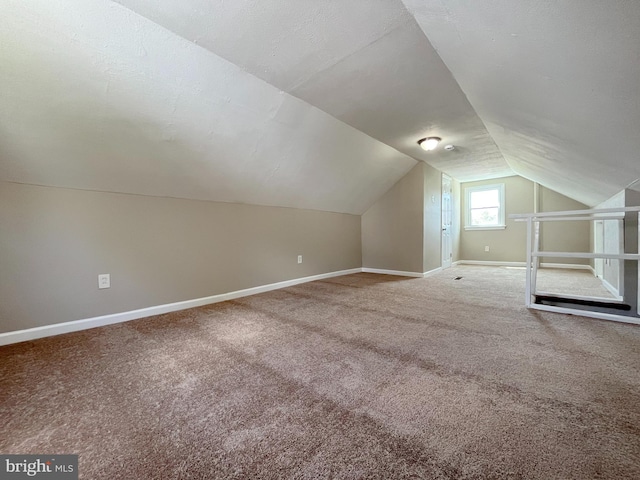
[446, 217]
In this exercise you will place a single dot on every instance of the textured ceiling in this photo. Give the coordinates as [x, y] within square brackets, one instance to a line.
[365, 62]
[97, 97]
[557, 83]
[317, 104]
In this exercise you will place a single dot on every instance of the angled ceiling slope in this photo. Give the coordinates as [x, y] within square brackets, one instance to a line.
[365, 62]
[556, 83]
[94, 96]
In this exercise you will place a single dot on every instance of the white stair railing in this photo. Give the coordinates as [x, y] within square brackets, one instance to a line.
[533, 221]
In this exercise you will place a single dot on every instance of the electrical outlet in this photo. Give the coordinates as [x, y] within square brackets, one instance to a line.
[299, 258]
[486, 248]
[104, 280]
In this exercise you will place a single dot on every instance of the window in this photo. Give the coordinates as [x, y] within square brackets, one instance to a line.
[485, 207]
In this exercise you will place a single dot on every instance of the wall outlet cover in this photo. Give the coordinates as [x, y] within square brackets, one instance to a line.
[104, 280]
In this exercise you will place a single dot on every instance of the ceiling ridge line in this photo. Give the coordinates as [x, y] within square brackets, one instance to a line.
[351, 54]
[453, 77]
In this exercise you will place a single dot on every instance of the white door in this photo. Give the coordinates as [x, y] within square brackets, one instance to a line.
[447, 218]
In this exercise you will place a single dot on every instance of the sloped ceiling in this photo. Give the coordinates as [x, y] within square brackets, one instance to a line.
[313, 104]
[292, 103]
[97, 97]
[365, 62]
[557, 84]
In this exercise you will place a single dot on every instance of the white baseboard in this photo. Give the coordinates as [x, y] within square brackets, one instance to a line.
[569, 266]
[613, 290]
[399, 273]
[87, 323]
[491, 263]
[431, 272]
[573, 266]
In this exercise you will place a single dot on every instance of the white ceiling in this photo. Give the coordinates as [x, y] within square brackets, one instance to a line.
[365, 62]
[317, 104]
[95, 96]
[557, 84]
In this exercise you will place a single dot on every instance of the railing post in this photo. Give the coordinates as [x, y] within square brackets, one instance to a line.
[527, 300]
[535, 260]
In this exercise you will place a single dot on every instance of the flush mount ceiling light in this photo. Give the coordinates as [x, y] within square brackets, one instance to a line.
[429, 143]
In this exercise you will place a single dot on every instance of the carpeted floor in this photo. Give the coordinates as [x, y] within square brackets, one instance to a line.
[362, 376]
[571, 282]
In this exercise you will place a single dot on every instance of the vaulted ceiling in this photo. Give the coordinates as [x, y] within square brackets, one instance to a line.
[556, 83]
[317, 104]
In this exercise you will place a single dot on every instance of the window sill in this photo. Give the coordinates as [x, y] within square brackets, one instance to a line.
[492, 227]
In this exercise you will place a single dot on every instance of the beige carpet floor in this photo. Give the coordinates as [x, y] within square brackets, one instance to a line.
[362, 376]
[571, 282]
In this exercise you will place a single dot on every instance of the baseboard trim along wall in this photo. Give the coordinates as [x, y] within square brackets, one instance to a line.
[572, 266]
[432, 272]
[569, 266]
[490, 263]
[401, 273]
[87, 323]
[613, 290]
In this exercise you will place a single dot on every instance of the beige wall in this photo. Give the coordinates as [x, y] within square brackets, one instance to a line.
[570, 236]
[508, 245]
[392, 229]
[54, 242]
[432, 226]
[403, 230]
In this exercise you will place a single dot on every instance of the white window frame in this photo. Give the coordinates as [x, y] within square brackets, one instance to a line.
[501, 208]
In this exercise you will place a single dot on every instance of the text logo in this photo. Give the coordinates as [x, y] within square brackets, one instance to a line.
[46, 467]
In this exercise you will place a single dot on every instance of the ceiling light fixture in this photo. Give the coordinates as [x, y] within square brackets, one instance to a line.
[429, 143]
[448, 148]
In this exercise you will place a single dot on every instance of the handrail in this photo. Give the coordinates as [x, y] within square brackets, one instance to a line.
[613, 256]
[603, 216]
[574, 212]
